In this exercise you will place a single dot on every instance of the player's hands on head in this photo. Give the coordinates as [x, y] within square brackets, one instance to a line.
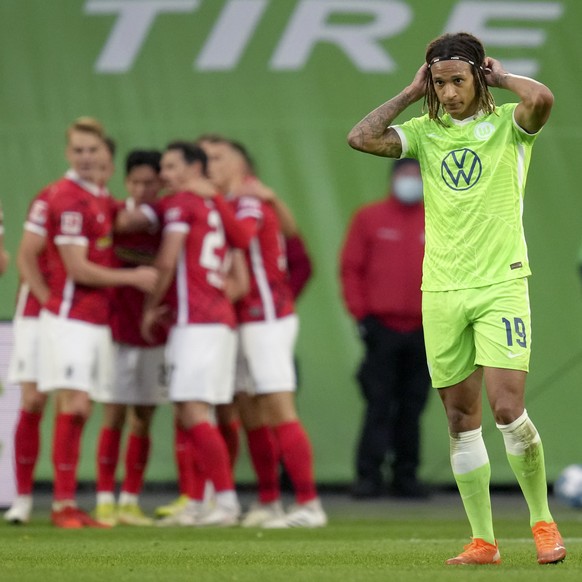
[418, 85]
[494, 72]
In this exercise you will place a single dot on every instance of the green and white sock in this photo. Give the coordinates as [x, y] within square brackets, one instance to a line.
[526, 456]
[472, 472]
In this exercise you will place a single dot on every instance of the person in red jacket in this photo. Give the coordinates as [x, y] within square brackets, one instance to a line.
[381, 265]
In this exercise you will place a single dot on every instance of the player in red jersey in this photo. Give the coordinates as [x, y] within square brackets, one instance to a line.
[23, 368]
[198, 227]
[75, 348]
[268, 328]
[138, 365]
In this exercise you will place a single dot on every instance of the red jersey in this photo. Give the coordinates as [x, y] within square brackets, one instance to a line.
[78, 213]
[270, 295]
[199, 286]
[131, 250]
[381, 264]
[298, 264]
[27, 305]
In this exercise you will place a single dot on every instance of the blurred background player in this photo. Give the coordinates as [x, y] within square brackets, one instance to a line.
[138, 366]
[268, 328]
[202, 342]
[23, 368]
[75, 339]
[381, 272]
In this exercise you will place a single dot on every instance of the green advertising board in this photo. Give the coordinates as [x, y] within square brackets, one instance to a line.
[289, 78]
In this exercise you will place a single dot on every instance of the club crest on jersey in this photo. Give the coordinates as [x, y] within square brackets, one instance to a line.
[461, 169]
[71, 223]
[484, 130]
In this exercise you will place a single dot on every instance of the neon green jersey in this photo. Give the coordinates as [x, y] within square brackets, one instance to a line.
[474, 173]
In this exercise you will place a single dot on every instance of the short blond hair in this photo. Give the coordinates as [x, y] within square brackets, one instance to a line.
[86, 125]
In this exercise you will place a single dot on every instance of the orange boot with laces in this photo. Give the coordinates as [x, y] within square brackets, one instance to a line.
[478, 552]
[549, 543]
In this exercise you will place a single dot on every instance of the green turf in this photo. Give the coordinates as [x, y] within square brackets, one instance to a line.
[348, 549]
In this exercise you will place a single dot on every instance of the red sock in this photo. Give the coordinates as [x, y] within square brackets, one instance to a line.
[183, 454]
[229, 433]
[26, 447]
[211, 455]
[298, 459]
[66, 443]
[263, 452]
[107, 458]
[198, 478]
[136, 459]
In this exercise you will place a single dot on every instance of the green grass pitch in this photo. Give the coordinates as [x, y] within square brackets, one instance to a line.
[386, 541]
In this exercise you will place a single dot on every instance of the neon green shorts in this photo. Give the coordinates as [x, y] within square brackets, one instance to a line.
[487, 326]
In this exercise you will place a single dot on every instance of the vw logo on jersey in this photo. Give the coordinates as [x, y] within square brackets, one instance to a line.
[461, 169]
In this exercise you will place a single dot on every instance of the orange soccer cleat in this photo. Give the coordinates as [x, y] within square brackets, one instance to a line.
[88, 521]
[66, 518]
[549, 543]
[478, 552]
[73, 518]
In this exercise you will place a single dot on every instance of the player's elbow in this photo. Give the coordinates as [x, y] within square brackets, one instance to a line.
[547, 99]
[542, 101]
[356, 139]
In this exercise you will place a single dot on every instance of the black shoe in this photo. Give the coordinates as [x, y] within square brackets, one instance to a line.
[366, 489]
[409, 489]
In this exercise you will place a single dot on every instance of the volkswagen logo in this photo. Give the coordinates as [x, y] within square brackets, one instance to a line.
[461, 169]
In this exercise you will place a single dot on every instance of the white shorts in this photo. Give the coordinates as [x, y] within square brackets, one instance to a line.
[267, 347]
[200, 360]
[23, 366]
[74, 354]
[138, 376]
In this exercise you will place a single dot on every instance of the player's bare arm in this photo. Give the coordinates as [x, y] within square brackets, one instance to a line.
[31, 246]
[85, 272]
[165, 262]
[201, 186]
[536, 99]
[237, 282]
[373, 134]
[254, 187]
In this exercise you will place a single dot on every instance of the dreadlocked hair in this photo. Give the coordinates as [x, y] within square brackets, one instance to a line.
[468, 48]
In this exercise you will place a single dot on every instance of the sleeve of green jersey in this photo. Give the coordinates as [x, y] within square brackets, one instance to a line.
[408, 133]
[521, 135]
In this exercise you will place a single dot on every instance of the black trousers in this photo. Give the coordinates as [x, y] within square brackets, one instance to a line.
[395, 383]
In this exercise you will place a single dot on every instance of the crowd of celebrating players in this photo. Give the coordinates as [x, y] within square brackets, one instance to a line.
[182, 293]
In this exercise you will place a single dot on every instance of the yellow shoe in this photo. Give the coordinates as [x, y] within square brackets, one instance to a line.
[478, 552]
[131, 514]
[106, 513]
[172, 508]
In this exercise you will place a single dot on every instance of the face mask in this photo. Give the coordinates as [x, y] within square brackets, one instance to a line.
[408, 189]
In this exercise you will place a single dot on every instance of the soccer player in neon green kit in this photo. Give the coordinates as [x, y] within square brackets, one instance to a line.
[474, 158]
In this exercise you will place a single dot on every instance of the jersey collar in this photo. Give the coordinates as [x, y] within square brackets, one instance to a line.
[467, 120]
[89, 186]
